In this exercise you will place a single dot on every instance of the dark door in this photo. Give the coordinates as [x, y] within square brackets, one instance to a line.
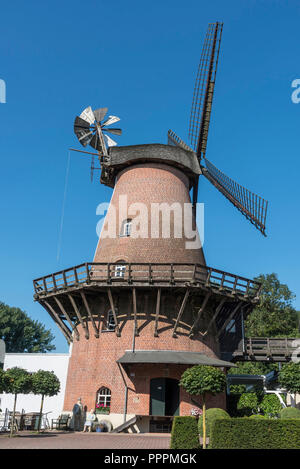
[164, 397]
[157, 396]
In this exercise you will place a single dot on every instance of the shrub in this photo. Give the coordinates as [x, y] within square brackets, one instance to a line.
[270, 405]
[257, 416]
[211, 415]
[184, 433]
[289, 413]
[255, 433]
[247, 404]
[289, 377]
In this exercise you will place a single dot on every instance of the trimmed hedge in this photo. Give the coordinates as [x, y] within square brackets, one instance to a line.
[289, 413]
[185, 433]
[251, 433]
[211, 415]
[257, 416]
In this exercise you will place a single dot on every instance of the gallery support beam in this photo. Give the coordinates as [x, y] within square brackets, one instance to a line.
[230, 317]
[112, 307]
[64, 312]
[76, 310]
[200, 314]
[218, 309]
[180, 313]
[64, 329]
[88, 310]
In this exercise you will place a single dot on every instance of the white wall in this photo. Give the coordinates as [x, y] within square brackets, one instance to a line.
[57, 362]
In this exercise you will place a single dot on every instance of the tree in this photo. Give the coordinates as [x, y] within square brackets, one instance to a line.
[18, 381]
[45, 383]
[21, 333]
[201, 380]
[275, 315]
[289, 377]
[3, 381]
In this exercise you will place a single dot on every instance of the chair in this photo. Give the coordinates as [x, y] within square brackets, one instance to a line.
[60, 423]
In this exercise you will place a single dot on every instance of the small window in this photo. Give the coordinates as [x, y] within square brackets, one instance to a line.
[126, 227]
[103, 400]
[110, 321]
[231, 326]
[120, 271]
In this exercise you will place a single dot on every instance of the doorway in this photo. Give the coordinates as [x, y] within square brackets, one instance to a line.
[164, 397]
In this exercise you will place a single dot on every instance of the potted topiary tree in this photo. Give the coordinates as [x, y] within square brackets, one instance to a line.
[45, 383]
[18, 381]
[202, 380]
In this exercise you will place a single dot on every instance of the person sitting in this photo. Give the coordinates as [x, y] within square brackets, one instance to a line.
[90, 418]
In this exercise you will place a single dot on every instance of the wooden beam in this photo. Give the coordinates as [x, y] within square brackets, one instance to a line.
[181, 311]
[200, 313]
[157, 311]
[232, 314]
[64, 329]
[136, 333]
[112, 306]
[219, 307]
[84, 299]
[64, 312]
[84, 326]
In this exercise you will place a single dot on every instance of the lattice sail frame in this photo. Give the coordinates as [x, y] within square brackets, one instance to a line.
[252, 206]
[204, 89]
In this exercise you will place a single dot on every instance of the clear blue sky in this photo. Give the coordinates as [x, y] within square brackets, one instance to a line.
[140, 59]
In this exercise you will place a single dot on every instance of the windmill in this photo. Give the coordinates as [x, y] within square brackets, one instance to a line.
[147, 307]
[91, 129]
[253, 207]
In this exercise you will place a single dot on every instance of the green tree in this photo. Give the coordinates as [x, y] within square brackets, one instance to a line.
[3, 381]
[248, 404]
[275, 315]
[21, 333]
[289, 377]
[18, 381]
[270, 405]
[202, 380]
[45, 383]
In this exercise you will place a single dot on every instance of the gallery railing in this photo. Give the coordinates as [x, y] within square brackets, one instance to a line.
[151, 274]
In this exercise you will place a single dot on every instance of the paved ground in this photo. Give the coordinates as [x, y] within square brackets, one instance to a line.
[77, 440]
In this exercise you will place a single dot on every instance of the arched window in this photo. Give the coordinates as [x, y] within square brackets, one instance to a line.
[126, 227]
[103, 400]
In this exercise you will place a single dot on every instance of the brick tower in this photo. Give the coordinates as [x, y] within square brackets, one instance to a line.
[147, 307]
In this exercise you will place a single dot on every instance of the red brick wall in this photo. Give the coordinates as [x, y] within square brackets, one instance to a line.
[93, 365]
[148, 183]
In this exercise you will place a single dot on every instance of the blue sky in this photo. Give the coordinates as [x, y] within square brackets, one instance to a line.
[140, 60]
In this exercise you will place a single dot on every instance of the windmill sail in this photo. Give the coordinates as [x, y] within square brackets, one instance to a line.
[204, 89]
[253, 207]
[173, 139]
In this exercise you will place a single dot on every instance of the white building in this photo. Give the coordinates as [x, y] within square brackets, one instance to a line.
[57, 362]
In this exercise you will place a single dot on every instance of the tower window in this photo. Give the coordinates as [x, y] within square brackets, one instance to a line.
[126, 227]
[110, 321]
[120, 269]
